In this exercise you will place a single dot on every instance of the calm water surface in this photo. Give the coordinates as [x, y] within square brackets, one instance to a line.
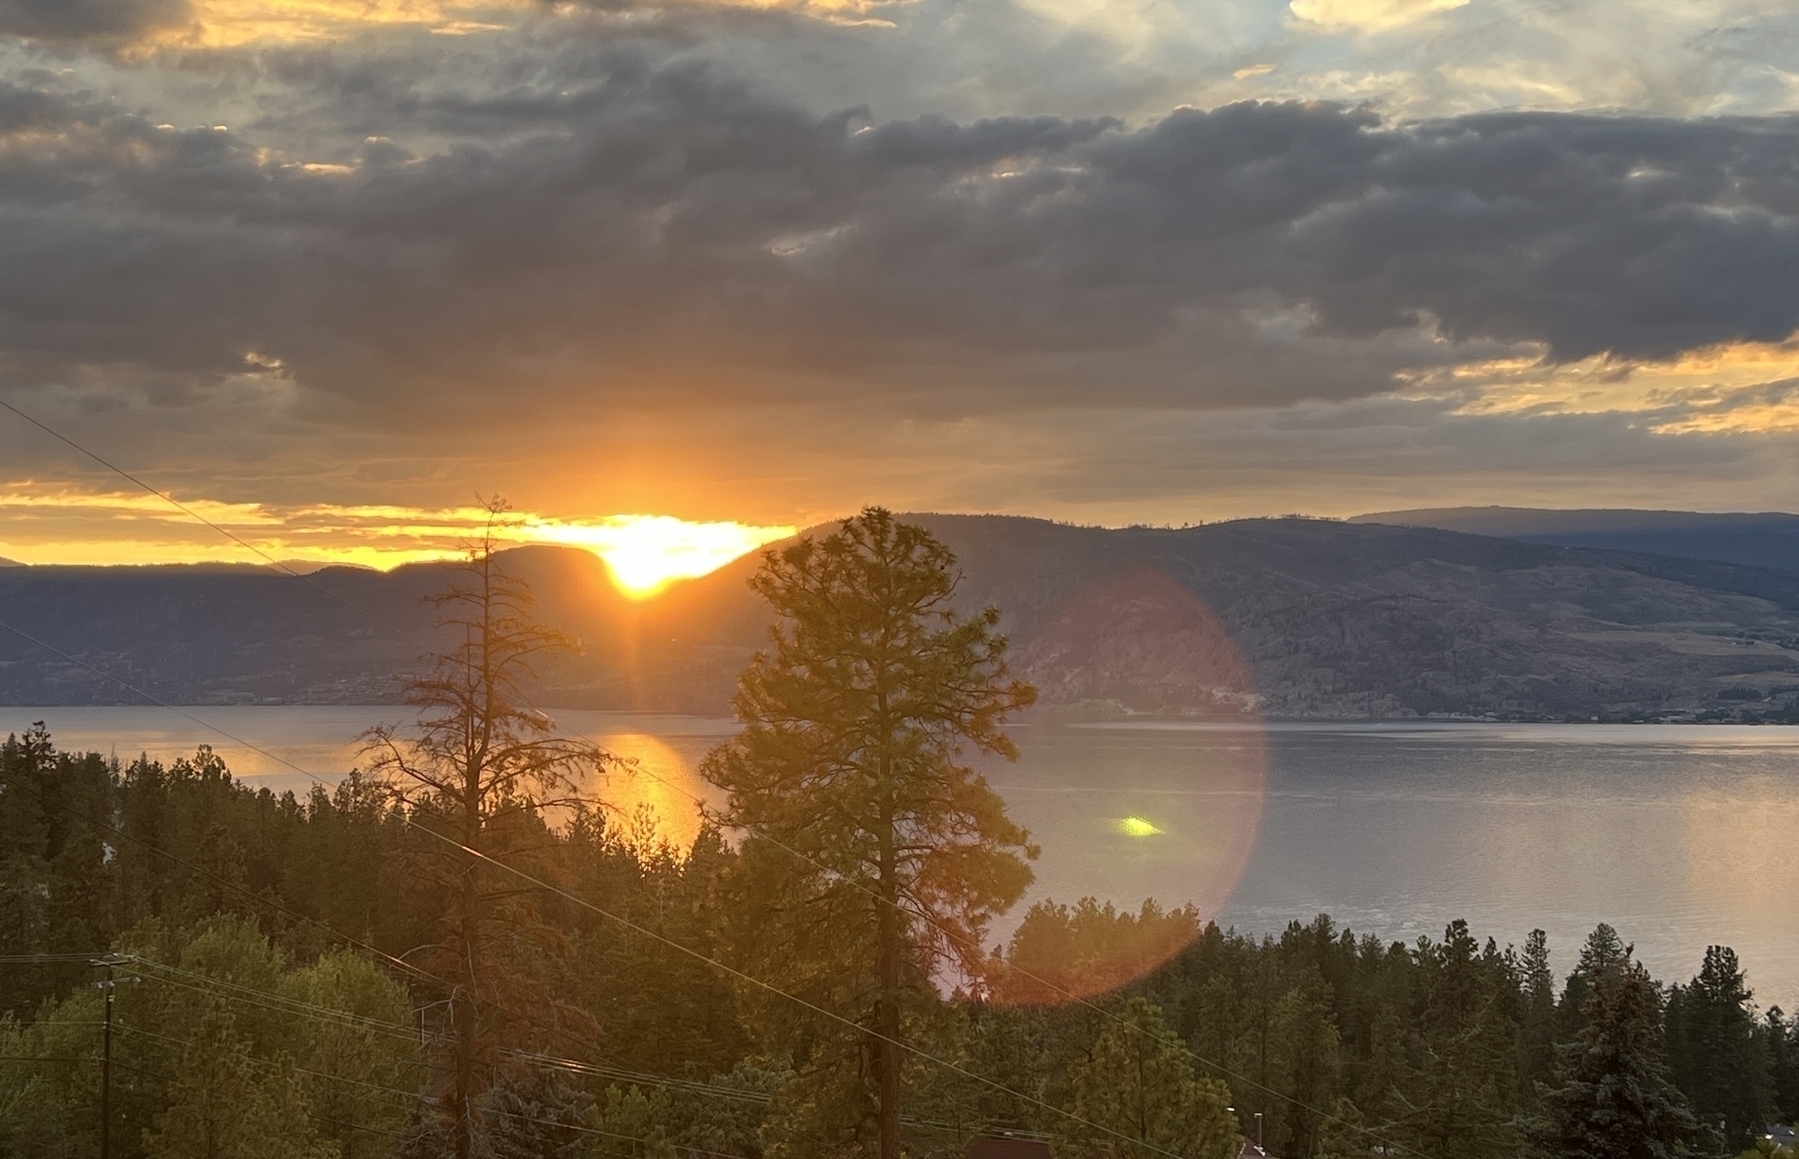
[1680, 836]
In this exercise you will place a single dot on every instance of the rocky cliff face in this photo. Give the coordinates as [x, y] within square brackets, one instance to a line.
[1289, 618]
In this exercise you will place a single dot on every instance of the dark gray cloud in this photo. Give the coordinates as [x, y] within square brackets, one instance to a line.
[645, 229]
[89, 20]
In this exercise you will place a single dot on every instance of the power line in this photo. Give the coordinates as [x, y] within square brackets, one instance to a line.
[262, 899]
[630, 925]
[1077, 998]
[637, 768]
[641, 1078]
[427, 1100]
[226, 532]
[719, 965]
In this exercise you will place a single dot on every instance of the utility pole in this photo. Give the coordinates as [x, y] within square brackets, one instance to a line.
[106, 1070]
[108, 964]
[105, 962]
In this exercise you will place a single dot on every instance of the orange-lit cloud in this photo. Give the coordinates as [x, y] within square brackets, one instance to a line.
[643, 552]
[234, 23]
[1735, 388]
[227, 23]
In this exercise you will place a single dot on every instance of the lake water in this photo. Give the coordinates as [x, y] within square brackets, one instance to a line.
[1680, 836]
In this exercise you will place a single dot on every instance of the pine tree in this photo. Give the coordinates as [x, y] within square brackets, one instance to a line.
[354, 1065]
[1537, 1018]
[1461, 1101]
[1782, 1036]
[1718, 1060]
[1602, 953]
[854, 725]
[477, 772]
[630, 1125]
[1344, 1134]
[1139, 1086]
[24, 873]
[1303, 1054]
[1615, 1098]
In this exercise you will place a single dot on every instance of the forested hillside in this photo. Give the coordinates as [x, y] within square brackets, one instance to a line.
[1758, 539]
[265, 941]
[463, 950]
[1290, 618]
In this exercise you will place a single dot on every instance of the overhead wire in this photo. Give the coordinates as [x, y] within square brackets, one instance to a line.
[1079, 999]
[426, 1100]
[740, 975]
[285, 1007]
[641, 1078]
[191, 513]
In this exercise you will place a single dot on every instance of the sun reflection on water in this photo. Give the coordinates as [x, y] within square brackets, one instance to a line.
[664, 779]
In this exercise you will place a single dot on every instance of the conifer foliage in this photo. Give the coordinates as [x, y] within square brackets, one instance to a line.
[856, 721]
[1615, 1098]
[477, 773]
[1138, 1085]
[354, 975]
[1720, 1056]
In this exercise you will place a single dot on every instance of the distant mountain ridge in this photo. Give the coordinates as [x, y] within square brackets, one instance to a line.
[1294, 618]
[1758, 539]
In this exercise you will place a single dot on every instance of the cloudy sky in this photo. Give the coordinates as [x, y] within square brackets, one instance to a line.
[326, 269]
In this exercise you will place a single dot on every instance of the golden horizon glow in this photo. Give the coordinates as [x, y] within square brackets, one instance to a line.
[646, 553]
[643, 554]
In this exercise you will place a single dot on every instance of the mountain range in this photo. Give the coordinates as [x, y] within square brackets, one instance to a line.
[1290, 618]
[1759, 539]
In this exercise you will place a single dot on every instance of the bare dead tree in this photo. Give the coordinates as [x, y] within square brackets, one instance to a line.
[479, 768]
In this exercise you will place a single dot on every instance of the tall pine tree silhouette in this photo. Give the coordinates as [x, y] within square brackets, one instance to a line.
[855, 720]
[1615, 1098]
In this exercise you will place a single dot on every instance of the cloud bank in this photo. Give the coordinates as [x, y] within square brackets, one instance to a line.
[671, 245]
[666, 232]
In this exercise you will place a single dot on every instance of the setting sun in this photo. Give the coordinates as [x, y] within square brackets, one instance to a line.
[646, 553]
[54, 525]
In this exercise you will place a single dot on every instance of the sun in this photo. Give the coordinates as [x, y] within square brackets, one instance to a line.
[646, 553]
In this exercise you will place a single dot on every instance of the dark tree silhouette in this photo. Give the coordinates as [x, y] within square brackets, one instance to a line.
[1719, 1060]
[1615, 1098]
[853, 722]
[477, 772]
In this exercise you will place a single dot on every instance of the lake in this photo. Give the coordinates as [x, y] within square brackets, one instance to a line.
[1679, 835]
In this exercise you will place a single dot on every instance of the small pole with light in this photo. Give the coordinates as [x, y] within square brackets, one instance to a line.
[1259, 1145]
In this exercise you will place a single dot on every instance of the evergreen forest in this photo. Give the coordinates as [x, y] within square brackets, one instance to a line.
[460, 950]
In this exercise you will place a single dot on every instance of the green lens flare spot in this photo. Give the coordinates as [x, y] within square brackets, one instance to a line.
[1136, 827]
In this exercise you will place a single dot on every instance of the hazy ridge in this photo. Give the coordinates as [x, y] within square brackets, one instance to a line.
[1289, 617]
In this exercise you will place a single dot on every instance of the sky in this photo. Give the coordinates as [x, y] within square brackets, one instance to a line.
[332, 270]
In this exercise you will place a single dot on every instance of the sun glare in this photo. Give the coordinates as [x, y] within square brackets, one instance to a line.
[1137, 827]
[646, 553]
